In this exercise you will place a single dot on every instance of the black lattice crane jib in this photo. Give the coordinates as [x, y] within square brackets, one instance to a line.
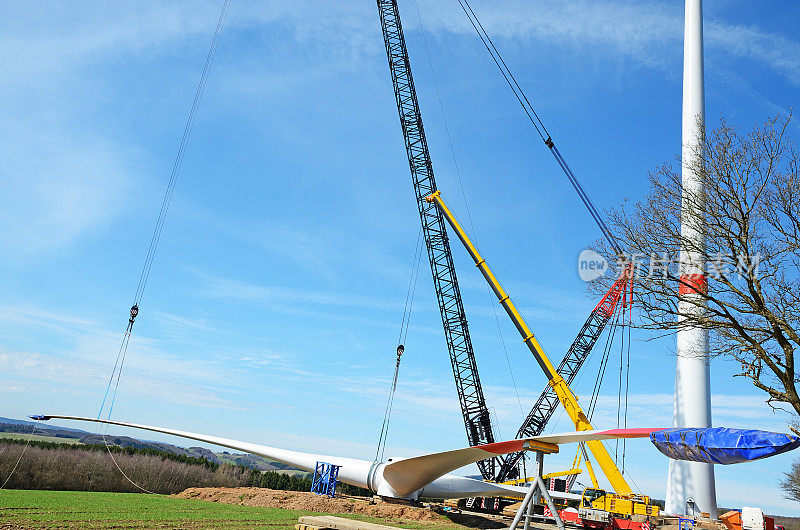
[581, 347]
[448, 295]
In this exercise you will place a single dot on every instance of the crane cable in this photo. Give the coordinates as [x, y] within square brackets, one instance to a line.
[620, 386]
[404, 325]
[466, 203]
[624, 368]
[593, 399]
[627, 378]
[598, 383]
[144, 275]
[21, 454]
[537, 123]
[604, 363]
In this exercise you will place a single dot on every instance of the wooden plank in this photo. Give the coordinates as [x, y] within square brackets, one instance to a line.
[340, 523]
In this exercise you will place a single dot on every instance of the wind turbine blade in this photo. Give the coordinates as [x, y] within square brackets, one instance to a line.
[398, 477]
[589, 436]
[410, 474]
[352, 471]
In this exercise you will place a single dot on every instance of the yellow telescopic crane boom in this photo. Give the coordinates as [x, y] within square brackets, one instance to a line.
[560, 386]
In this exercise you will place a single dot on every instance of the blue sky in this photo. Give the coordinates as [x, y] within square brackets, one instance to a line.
[276, 297]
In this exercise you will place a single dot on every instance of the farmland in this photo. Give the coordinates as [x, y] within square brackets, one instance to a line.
[59, 509]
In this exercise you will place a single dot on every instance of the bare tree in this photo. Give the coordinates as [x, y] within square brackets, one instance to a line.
[70, 468]
[749, 211]
[791, 482]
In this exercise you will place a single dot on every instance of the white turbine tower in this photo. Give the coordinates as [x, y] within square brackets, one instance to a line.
[690, 485]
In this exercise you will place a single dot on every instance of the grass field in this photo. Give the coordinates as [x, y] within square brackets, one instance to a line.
[77, 509]
[38, 438]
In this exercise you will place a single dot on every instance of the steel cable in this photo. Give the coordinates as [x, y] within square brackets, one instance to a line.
[536, 121]
[404, 325]
[466, 203]
[144, 275]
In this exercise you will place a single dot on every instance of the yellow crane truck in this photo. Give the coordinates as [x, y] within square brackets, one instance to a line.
[603, 510]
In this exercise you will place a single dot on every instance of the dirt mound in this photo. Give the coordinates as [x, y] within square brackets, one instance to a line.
[302, 500]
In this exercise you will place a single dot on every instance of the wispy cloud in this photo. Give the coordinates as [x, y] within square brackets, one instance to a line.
[777, 52]
[62, 374]
[53, 189]
[62, 178]
[79, 354]
[640, 31]
[236, 290]
[29, 315]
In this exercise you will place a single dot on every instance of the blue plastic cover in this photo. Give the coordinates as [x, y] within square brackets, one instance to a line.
[720, 445]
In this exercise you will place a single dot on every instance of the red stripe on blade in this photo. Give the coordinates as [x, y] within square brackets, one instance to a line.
[502, 448]
[640, 432]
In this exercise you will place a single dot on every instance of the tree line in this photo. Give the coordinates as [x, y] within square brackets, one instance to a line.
[298, 482]
[89, 467]
[117, 449]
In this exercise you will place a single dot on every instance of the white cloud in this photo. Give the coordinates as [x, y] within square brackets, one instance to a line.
[79, 353]
[776, 52]
[71, 375]
[236, 290]
[28, 315]
[642, 31]
[62, 177]
[53, 188]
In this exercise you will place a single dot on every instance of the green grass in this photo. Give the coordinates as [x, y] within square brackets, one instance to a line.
[38, 438]
[77, 509]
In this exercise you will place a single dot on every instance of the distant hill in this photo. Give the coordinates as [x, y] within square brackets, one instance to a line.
[30, 425]
[20, 427]
[15, 422]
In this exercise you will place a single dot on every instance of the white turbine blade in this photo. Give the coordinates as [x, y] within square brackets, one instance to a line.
[402, 476]
[352, 471]
[589, 436]
[262, 450]
[410, 474]
[455, 487]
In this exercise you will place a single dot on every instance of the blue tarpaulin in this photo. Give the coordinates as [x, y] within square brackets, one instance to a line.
[720, 445]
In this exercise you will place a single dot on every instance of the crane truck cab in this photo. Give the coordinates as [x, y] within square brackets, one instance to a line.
[592, 509]
[600, 509]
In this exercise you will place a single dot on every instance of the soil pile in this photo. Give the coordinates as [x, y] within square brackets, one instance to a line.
[302, 500]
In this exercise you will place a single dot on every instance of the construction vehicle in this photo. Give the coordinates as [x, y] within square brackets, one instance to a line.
[474, 410]
[624, 502]
[602, 510]
[748, 518]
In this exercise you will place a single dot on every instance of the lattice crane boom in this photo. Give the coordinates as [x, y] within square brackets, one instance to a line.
[548, 401]
[448, 295]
